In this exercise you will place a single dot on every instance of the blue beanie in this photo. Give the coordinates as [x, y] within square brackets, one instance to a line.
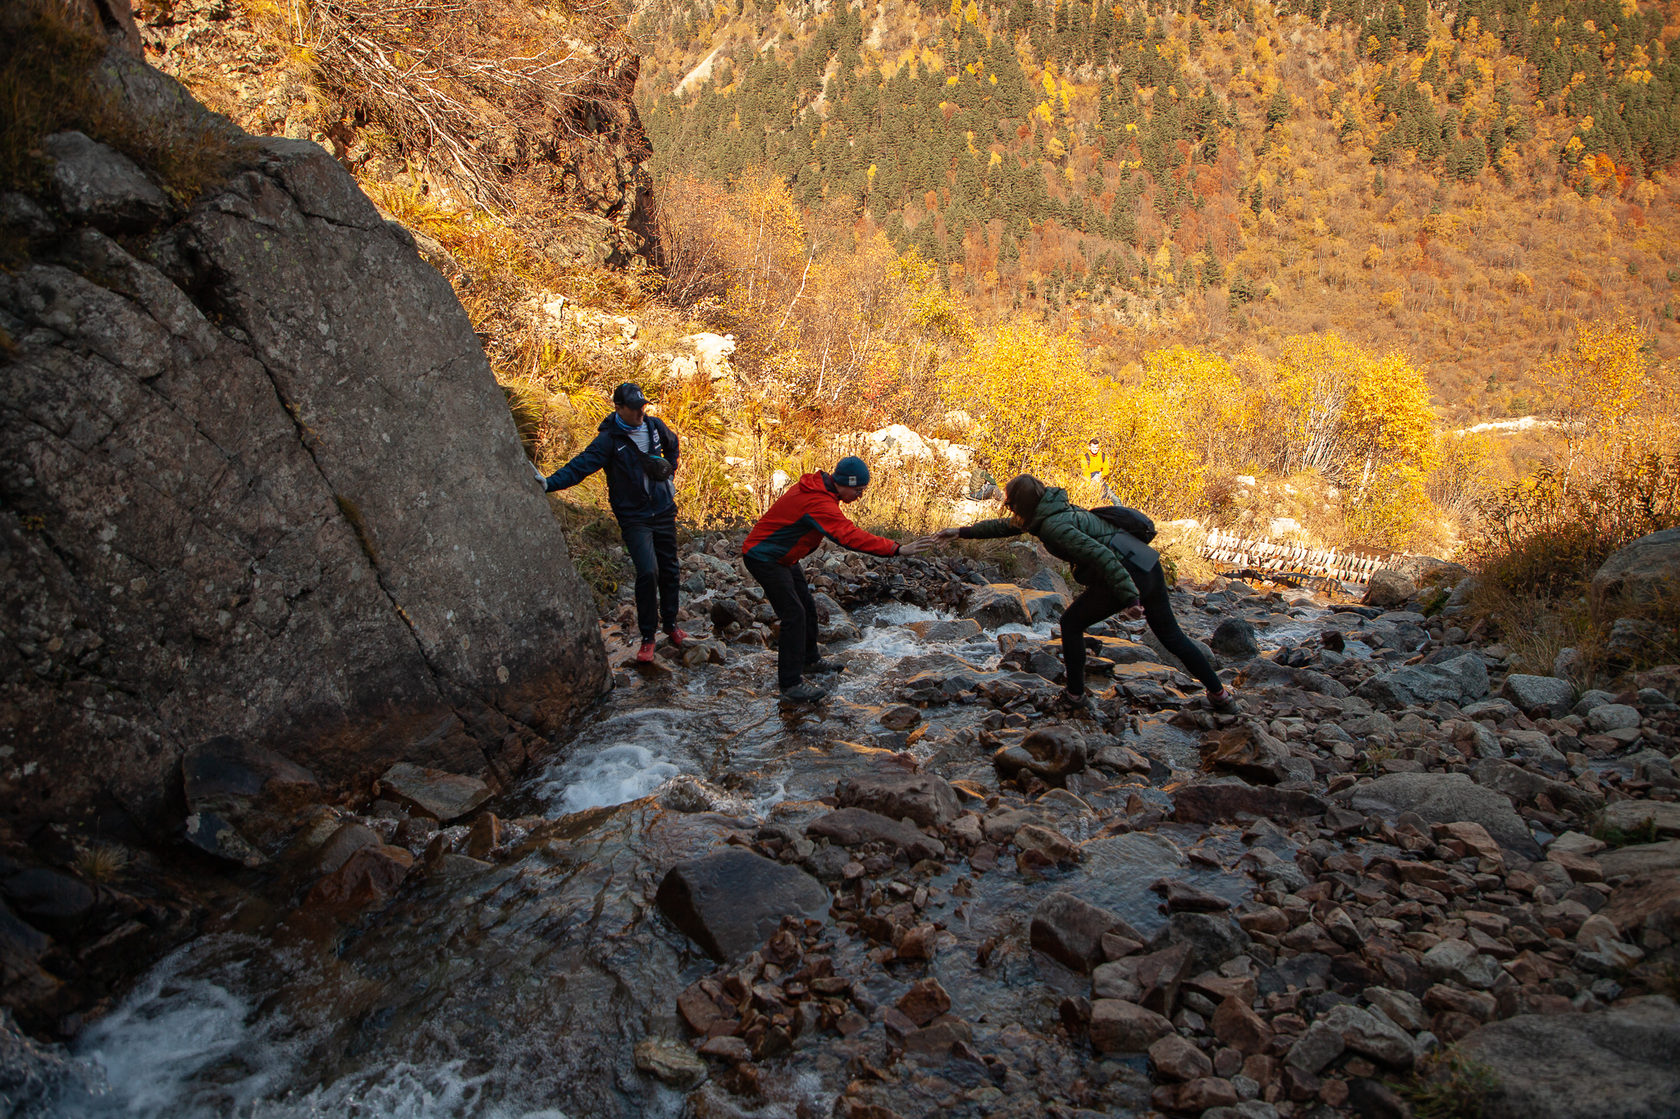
[851, 471]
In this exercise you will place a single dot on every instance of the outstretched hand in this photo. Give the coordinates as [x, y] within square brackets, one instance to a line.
[916, 546]
[541, 477]
[947, 534]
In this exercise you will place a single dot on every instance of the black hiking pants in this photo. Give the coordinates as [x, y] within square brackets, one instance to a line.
[790, 596]
[652, 544]
[1098, 602]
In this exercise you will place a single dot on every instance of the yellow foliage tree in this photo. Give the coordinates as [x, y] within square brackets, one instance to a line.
[1031, 397]
[1593, 385]
[1387, 419]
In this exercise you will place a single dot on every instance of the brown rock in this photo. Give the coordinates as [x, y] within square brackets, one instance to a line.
[1176, 1058]
[924, 1001]
[1196, 1096]
[368, 876]
[1236, 1024]
[1118, 1026]
[485, 836]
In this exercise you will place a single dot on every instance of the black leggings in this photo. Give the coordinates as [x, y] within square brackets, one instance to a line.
[1098, 602]
[790, 596]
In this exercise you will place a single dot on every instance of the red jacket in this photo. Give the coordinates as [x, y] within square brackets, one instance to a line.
[799, 520]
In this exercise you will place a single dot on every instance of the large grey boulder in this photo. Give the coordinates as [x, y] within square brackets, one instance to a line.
[1444, 798]
[257, 480]
[730, 901]
[1459, 680]
[98, 186]
[1538, 695]
[1642, 571]
[1622, 1062]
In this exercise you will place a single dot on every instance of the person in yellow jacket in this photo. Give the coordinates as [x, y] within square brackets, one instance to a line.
[1095, 466]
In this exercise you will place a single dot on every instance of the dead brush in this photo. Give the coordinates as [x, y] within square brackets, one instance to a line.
[483, 93]
[100, 862]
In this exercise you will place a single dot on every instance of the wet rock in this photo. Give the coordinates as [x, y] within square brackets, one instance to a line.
[1118, 1026]
[1538, 695]
[369, 876]
[1151, 980]
[1211, 938]
[998, 604]
[1248, 752]
[924, 1001]
[1181, 896]
[922, 797]
[1070, 930]
[1624, 1061]
[671, 1062]
[1234, 638]
[1444, 798]
[1213, 802]
[945, 630]
[214, 834]
[345, 840]
[433, 792]
[251, 790]
[486, 835]
[902, 717]
[1052, 845]
[730, 901]
[851, 827]
[1050, 753]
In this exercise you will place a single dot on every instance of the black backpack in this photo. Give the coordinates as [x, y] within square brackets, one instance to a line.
[1128, 520]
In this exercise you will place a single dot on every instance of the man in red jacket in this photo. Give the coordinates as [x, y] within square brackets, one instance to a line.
[791, 530]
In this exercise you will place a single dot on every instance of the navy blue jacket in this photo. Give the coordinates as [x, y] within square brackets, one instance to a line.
[630, 492]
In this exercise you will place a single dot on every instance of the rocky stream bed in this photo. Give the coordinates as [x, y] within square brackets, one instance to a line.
[1401, 880]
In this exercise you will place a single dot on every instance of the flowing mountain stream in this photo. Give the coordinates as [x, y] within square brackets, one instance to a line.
[543, 980]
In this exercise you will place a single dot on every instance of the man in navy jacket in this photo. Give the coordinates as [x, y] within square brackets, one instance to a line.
[639, 454]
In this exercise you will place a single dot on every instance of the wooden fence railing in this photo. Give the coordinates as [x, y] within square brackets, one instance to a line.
[1256, 553]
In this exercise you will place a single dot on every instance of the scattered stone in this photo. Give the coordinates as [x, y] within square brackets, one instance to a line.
[1176, 1058]
[1118, 1026]
[1632, 815]
[1458, 961]
[1445, 798]
[1224, 801]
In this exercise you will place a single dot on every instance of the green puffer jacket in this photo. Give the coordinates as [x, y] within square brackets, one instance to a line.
[1069, 533]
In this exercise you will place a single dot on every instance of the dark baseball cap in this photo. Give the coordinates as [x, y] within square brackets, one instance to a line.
[629, 396]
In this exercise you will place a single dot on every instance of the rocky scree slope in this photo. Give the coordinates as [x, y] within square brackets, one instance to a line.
[258, 481]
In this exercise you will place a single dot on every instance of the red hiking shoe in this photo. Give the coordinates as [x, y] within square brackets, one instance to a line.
[645, 654]
[678, 636]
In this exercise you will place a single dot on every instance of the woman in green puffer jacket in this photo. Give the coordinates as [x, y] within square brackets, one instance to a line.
[1121, 574]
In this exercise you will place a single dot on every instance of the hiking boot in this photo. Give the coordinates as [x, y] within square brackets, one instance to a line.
[824, 664]
[804, 692]
[1223, 702]
[678, 636]
[1072, 704]
[644, 655]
